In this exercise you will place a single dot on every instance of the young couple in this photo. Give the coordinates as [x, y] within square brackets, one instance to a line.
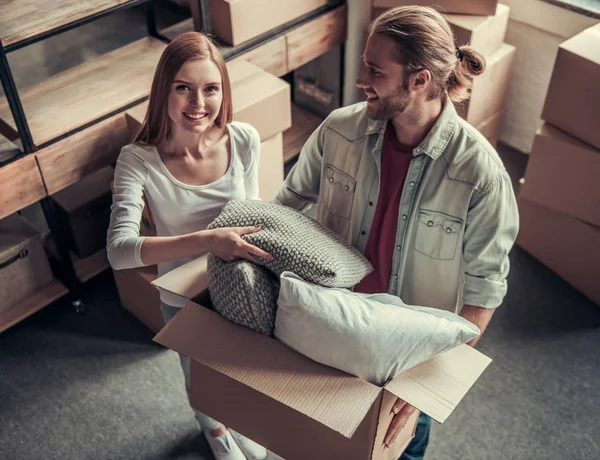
[431, 205]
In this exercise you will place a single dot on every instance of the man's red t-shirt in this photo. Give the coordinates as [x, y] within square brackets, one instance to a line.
[395, 160]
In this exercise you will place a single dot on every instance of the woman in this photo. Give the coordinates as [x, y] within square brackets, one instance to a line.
[188, 160]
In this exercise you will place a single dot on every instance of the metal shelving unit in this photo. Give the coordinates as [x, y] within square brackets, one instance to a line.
[18, 31]
[17, 35]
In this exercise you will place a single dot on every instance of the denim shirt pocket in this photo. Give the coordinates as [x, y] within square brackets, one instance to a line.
[437, 234]
[338, 192]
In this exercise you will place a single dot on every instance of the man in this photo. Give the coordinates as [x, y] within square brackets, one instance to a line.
[410, 184]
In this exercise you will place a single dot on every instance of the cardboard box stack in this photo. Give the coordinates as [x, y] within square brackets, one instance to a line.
[559, 200]
[264, 101]
[260, 99]
[481, 24]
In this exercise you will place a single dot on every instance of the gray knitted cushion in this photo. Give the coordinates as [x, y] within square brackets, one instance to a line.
[298, 243]
[244, 293]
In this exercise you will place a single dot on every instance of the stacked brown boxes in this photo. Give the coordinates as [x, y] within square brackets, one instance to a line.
[264, 101]
[559, 201]
[481, 24]
[260, 99]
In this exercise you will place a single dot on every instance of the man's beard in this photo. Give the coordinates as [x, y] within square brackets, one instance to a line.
[390, 106]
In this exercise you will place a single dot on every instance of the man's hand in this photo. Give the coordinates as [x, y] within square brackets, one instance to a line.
[479, 316]
[403, 411]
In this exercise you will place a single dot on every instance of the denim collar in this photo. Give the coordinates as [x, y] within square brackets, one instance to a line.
[437, 138]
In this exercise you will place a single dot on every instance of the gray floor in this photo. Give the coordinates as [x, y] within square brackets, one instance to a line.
[97, 387]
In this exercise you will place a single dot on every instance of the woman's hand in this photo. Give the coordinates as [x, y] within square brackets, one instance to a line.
[228, 244]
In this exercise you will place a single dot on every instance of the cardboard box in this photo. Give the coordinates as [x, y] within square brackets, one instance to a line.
[489, 89]
[139, 297]
[295, 407]
[260, 99]
[573, 100]
[490, 128]
[562, 174]
[567, 246]
[83, 209]
[237, 21]
[484, 33]
[134, 117]
[478, 7]
[270, 172]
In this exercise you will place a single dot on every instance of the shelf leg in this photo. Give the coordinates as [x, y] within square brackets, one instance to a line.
[14, 102]
[67, 271]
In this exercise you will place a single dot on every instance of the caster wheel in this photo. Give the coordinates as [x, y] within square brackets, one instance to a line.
[79, 307]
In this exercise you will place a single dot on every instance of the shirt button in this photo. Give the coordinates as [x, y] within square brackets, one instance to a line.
[430, 223]
[398, 247]
[330, 179]
[370, 203]
[395, 277]
[404, 217]
[448, 230]
[346, 188]
[363, 233]
[412, 183]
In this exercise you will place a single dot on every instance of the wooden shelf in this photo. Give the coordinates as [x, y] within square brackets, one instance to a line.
[311, 40]
[20, 185]
[288, 49]
[28, 306]
[24, 19]
[83, 94]
[270, 56]
[304, 124]
[69, 160]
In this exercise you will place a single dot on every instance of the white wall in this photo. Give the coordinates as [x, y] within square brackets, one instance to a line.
[359, 16]
[535, 28]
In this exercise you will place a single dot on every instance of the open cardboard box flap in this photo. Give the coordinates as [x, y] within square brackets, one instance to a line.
[332, 397]
[188, 280]
[437, 385]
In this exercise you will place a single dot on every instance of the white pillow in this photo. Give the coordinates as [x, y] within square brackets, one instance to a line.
[374, 337]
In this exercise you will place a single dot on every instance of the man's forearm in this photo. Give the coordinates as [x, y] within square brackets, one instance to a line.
[479, 316]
